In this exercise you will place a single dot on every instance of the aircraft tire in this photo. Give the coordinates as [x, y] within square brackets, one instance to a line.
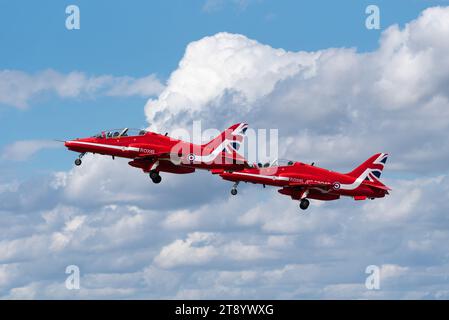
[154, 175]
[157, 179]
[78, 162]
[304, 204]
[233, 191]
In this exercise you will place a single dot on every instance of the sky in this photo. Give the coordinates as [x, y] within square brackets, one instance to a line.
[336, 91]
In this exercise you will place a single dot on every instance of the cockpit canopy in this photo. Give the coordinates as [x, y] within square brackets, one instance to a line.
[276, 163]
[124, 132]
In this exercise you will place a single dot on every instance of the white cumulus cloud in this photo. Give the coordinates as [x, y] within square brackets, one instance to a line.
[18, 88]
[24, 149]
[330, 102]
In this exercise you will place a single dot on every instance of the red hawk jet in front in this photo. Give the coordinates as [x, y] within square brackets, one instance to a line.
[302, 182]
[155, 153]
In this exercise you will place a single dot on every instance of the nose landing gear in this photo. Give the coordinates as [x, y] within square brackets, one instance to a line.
[155, 176]
[78, 161]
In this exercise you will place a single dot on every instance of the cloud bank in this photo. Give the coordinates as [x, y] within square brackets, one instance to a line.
[18, 88]
[188, 238]
[333, 101]
[23, 150]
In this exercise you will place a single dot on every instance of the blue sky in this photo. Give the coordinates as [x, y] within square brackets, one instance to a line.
[340, 94]
[155, 38]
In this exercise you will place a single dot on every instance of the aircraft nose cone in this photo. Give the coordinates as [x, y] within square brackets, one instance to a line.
[68, 143]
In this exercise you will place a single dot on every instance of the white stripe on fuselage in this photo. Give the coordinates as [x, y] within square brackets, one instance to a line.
[357, 182]
[211, 156]
[123, 148]
[261, 176]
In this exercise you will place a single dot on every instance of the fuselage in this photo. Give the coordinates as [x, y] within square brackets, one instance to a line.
[320, 183]
[147, 148]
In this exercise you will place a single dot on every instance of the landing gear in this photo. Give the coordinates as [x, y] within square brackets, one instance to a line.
[304, 204]
[154, 175]
[234, 188]
[78, 161]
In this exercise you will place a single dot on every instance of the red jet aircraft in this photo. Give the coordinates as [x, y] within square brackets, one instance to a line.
[301, 181]
[154, 153]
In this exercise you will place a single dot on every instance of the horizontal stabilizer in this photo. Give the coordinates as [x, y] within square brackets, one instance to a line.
[377, 186]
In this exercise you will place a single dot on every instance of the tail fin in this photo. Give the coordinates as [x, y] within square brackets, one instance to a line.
[371, 168]
[228, 141]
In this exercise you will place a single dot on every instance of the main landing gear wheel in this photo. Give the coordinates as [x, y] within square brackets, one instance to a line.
[157, 180]
[154, 175]
[304, 204]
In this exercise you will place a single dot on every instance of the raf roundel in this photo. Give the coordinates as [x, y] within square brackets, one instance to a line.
[191, 157]
[336, 185]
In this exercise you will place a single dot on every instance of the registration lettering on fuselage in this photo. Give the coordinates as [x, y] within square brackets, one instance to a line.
[308, 181]
[148, 151]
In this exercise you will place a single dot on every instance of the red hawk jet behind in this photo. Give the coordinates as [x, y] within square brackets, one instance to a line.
[301, 181]
[154, 153]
